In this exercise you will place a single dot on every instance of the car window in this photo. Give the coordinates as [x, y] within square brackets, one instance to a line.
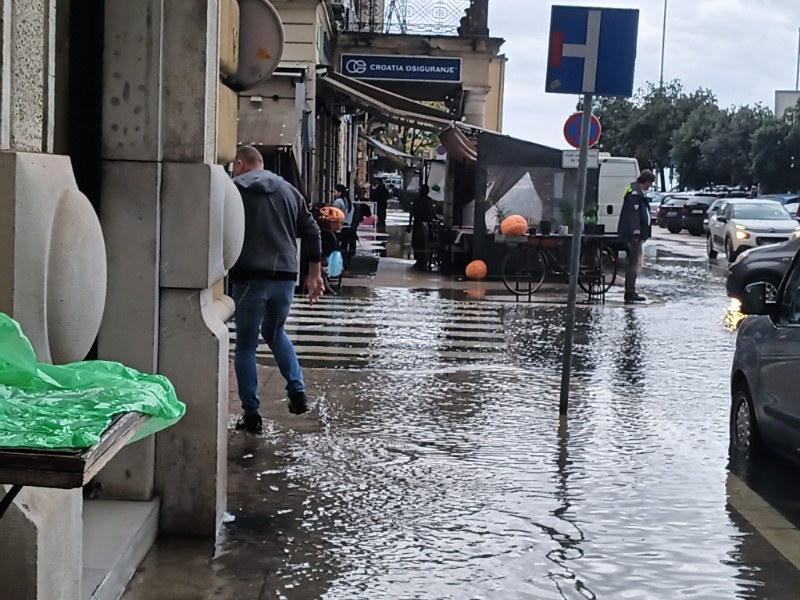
[759, 212]
[790, 304]
[726, 211]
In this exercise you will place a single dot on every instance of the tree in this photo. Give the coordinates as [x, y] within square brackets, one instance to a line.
[728, 149]
[660, 112]
[772, 162]
[688, 145]
[614, 115]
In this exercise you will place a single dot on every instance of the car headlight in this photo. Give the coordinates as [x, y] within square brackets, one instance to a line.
[741, 234]
[741, 227]
[796, 233]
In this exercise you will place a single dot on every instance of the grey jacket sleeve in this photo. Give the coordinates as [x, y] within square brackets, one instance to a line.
[308, 230]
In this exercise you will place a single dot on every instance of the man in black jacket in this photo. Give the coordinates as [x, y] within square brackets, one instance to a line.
[264, 279]
[635, 229]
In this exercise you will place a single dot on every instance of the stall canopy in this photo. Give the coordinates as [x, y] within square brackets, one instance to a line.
[396, 156]
[459, 147]
[392, 107]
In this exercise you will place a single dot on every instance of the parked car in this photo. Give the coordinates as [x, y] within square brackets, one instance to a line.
[765, 406]
[765, 265]
[695, 213]
[717, 206]
[791, 202]
[669, 214]
[657, 199]
[744, 224]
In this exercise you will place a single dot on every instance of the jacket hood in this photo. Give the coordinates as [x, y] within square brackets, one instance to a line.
[260, 180]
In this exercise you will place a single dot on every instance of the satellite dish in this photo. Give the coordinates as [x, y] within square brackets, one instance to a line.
[261, 39]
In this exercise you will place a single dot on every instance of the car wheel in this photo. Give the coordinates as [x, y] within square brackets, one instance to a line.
[745, 438]
[674, 230]
[710, 248]
[730, 253]
[695, 232]
[771, 283]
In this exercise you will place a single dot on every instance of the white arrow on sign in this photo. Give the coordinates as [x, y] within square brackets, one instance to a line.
[589, 51]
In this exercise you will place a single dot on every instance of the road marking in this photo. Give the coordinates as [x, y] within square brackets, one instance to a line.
[769, 523]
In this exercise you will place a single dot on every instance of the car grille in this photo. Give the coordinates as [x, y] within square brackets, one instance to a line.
[765, 240]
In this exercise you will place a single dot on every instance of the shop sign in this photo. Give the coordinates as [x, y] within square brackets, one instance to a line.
[401, 68]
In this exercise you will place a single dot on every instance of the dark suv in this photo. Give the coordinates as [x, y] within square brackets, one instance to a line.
[695, 213]
[767, 265]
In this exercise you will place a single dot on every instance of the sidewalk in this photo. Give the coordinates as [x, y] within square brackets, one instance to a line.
[398, 273]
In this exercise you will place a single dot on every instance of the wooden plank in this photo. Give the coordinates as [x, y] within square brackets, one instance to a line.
[67, 469]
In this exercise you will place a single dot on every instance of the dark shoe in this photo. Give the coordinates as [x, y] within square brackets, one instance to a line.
[249, 423]
[298, 403]
[633, 297]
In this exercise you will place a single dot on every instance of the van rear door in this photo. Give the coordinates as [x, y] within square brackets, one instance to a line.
[616, 174]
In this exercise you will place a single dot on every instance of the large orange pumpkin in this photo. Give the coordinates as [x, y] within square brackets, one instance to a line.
[514, 225]
[476, 270]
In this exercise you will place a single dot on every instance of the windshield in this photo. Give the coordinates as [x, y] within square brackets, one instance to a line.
[760, 212]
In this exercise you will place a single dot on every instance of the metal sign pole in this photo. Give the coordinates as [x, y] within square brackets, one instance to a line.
[577, 233]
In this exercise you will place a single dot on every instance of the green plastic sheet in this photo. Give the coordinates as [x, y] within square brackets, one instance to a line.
[46, 406]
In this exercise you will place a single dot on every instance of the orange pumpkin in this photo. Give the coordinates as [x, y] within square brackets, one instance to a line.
[514, 225]
[476, 270]
[331, 213]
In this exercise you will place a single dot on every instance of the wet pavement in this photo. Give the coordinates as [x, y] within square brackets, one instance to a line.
[435, 464]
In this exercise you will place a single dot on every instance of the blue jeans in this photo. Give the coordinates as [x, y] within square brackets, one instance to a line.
[262, 307]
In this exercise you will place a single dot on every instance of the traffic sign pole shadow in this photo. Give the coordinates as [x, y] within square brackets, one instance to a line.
[592, 53]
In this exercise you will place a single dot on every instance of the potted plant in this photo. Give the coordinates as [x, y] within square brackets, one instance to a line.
[591, 226]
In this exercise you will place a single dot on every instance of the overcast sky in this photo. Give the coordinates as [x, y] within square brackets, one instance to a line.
[743, 50]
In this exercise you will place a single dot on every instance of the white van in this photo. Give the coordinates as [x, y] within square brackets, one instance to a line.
[616, 174]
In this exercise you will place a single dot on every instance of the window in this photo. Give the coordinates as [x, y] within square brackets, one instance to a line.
[790, 304]
[726, 211]
[760, 212]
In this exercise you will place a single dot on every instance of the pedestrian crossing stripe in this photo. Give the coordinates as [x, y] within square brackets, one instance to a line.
[387, 330]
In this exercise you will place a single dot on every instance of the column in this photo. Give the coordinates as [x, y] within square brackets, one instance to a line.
[131, 214]
[43, 526]
[475, 106]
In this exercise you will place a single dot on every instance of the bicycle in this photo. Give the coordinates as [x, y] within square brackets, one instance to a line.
[525, 268]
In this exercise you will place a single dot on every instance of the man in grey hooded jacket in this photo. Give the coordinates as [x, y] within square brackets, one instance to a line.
[264, 279]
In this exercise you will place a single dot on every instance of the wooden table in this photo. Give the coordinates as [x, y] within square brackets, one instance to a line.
[64, 469]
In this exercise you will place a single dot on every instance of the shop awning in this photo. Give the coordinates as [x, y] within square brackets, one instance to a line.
[459, 147]
[392, 107]
[396, 156]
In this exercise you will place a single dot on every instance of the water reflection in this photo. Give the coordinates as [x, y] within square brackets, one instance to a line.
[570, 544]
[733, 316]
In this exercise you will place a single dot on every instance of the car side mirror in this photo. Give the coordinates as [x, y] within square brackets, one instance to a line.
[722, 219]
[610, 209]
[754, 300]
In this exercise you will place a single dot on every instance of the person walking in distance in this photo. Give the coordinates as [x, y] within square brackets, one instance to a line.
[635, 229]
[264, 279]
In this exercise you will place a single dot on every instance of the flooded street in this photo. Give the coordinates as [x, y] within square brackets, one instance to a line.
[435, 464]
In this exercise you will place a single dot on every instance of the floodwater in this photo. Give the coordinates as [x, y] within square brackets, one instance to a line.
[437, 467]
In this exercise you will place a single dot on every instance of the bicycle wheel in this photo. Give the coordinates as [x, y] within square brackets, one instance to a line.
[523, 271]
[598, 267]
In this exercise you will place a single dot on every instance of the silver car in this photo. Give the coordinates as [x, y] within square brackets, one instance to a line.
[765, 404]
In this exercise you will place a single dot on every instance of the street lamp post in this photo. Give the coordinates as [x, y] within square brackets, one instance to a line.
[663, 46]
[797, 77]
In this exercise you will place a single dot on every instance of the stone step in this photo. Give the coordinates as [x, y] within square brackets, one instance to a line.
[116, 537]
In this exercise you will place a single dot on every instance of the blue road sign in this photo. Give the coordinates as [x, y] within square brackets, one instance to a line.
[592, 51]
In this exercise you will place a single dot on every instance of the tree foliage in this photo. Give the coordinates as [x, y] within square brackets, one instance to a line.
[668, 128]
